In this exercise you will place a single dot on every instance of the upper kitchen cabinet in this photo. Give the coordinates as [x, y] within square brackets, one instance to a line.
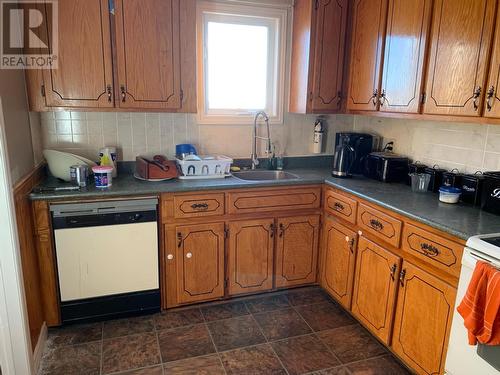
[318, 44]
[408, 22]
[458, 64]
[148, 53]
[493, 86]
[368, 32]
[84, 73]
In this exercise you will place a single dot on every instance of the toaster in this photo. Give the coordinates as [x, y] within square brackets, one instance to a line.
[386, 167]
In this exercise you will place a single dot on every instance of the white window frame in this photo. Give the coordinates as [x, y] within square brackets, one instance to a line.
[276, 19]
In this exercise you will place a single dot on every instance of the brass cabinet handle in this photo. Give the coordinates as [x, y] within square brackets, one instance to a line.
[393, 271]
[490, 98]
[377, 225]
[282, 230]
[122, 91]
[199, 206]
[179, 239]
[374, 97]
[429, 250]
[382, 98]
[109, 91]
[477, 94]
[338, 206]
[402, 275]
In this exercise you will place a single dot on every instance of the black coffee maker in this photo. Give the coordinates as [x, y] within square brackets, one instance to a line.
[351, 150]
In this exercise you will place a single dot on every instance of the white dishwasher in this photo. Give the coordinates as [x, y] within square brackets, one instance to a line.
[107, 258]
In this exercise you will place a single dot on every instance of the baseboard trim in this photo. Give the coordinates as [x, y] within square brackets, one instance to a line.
[40, 347]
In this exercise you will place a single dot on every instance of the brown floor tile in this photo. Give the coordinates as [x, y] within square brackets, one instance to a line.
[333, 371]
[209, 365]
[185, 342]
[304, 354]
[130, 326]
[307, 296]
[378, 366]
[352, 343]
[76, 334]
[224, 311]
[267, 303]
[235, 333]
[82, 359]
[324, 316]
[130, 352]
[281, 324]
[178, 318]
[254, 360]
[156, 370]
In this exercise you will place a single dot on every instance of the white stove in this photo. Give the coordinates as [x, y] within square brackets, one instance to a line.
[462, 358]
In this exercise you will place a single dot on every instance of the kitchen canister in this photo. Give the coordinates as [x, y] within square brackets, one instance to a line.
[472, 187]
[415, 168]
[103, 176]
[436, 177]
[452, 178]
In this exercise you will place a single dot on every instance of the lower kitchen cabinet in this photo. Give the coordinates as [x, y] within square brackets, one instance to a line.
[375, 286]
[250, 256]
[423, 318]
[339, 256]
[297, 250]
[200, 262]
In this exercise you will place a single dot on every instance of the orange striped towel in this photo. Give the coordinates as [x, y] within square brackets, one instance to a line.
[480, 307]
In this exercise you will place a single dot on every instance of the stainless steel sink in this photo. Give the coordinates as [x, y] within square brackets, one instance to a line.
[265, 175]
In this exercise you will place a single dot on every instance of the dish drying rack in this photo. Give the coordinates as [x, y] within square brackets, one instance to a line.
[208, 167]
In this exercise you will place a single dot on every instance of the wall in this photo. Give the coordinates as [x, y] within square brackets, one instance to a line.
[138, 133]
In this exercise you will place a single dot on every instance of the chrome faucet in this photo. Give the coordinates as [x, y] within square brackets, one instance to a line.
[255, 159]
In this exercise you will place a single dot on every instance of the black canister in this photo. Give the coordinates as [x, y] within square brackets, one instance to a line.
[472, 187]
[452, 178]
[436, 177]
[491, 192]
[416, 167]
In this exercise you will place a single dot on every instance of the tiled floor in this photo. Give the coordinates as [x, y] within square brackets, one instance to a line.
[300, 331]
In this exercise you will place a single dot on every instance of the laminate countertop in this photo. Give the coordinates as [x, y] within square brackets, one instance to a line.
[459, 220]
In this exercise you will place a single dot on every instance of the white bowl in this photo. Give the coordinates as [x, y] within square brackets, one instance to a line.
[60, 162]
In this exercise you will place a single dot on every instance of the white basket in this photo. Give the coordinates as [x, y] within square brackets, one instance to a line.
[208, 167]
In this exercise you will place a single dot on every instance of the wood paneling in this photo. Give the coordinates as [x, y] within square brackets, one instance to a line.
[379, 224]
[200, 262]
[368, 34]
[375, 288]
[339, 256]
[186, 206]
[461, 37]
[297, 250]
[250, 256]
[423, 319]
[83, 77]
[264, 200]
[492, 107]
[340, 206]
[405, 46]
[148, 54]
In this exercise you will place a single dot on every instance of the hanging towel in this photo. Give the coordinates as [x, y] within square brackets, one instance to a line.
[480, 307]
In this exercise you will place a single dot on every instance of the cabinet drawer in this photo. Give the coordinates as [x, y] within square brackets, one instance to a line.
[432, 249]
[340, 206]
[379, 224]
[273, 200]
[198, 205]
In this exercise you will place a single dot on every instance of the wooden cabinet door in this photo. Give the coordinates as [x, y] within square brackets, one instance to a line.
[493, 85]
[297, 250]
[405, 47]
[366, 54]
[148, 53]
[200, 262]
[328, 63]
[339, 255]
[250, 256]
[461, 36]
[423, 319]
[84, 74]
[375, 288]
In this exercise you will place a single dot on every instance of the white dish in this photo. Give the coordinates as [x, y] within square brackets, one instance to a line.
[152, 179]
[60, 162]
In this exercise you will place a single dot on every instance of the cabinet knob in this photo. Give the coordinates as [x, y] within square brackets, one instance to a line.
[346, 238]
[189, 255]
[170, 257]
[360, 233]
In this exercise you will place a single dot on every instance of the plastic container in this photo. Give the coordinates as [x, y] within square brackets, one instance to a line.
[208, 167]
[103, 176]
[449, 194]
[419, 182]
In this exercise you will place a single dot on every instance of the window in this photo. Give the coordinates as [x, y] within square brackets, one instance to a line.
[240, 72]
